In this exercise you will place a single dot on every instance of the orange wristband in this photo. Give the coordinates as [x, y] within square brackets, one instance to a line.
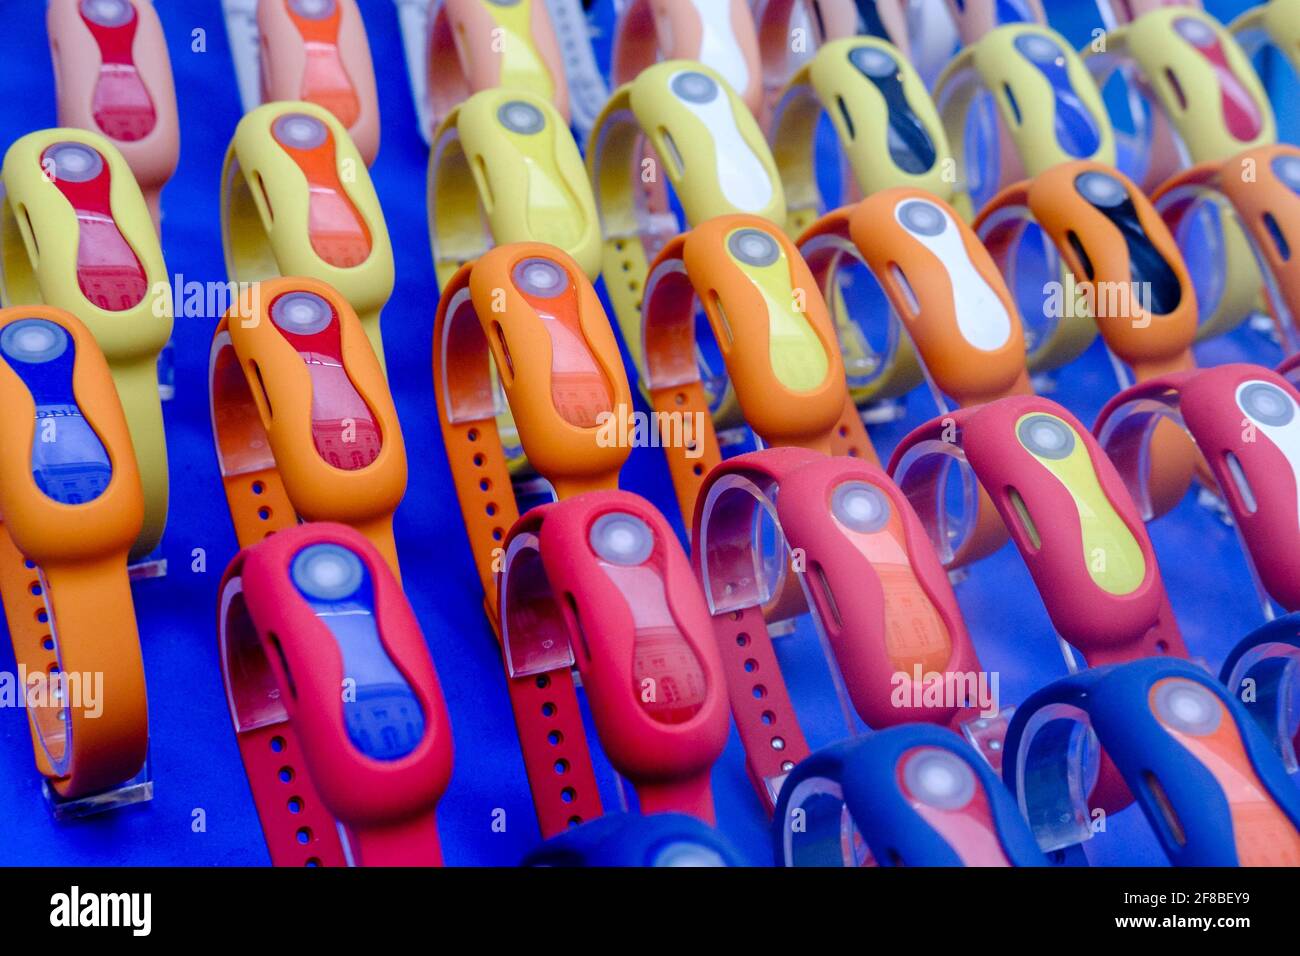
[1130, 277]
[73, 506]
[775, 334]
[316, 51]
[302, 417]
[526, 313]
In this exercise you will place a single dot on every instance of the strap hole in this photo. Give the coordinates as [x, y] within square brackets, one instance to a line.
[478, 460]
[313, 861]
[498, 534]
[555, 738]
[29, 564]
[484, 485]
[698, 470]
[561, 766]
[304, 835]
[751, 666]
[295, 804]
[35, 588]
[47, 642]
[286, 774]
[258, 487]
[277, 744]
[472, 434]
[575, 821]
[568, 795]
[778, 743]
[759, 691]
[42, 616]
[543, 680]
[768, 718]
[742, 640]
[264, 513]
[491, 509]
[548, 709]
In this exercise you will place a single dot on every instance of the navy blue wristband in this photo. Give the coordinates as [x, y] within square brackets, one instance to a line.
[629, 839]
[1261, 672]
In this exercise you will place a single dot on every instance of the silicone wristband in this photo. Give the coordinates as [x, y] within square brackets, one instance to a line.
[72, 505]
[316, 51]
[337, 778]
[1289, 369]
[504, 168]
[314, 212]
[1262, 187]
[1048, 109]
[1246, 422]
[1207, 782]
[718, 33]
[626, 839]
[916, 796]
[1115, 12]
[1276, 22]
[946, 295]
[709, 148]
[76, 234]
[886, 123]
[1260, 672]
[601, 581]
[775, 336]
[475, 45]
[1068, 512]
[113, 76]
[559, 368]
[789, 32]
[878, 596]
[302, 418]
[975, 18]
[1125, 269]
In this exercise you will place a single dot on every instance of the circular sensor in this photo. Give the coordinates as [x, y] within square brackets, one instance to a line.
[300, 131]
[682, 853]
[873, 62]
[33, 341]
[1196, 32]
[313, 9]
[540, 277]
[1038, 48]
[301, 313]
[108, 13]
[520, 117]
[860, 506]
[1046, 436]
[328, 572]
[923, 218]
[73, 162]
[1266, 403]
[1287, 169]
[1101, 189]
[622, 538]
[1188, 707]
[939, 778]
[694, 87]
[753, 247]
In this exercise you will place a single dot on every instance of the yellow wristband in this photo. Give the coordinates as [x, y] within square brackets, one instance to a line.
[1276, 23]
[1048, 108]
[297, 200]
[678, 121]
[504, 168]
[77, 234]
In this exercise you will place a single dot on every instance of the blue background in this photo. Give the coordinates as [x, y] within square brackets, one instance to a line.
[196, 764]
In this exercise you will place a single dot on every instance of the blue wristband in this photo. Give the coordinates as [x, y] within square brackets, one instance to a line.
[1261, 673]
[1204, 774]
[629, 839]
[902, 787]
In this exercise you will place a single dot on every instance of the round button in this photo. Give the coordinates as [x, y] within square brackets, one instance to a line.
[540, 277]
[681, 853]
[520, 117]
[873, 62]
[1046, 436]
[1266, 403]
[300, 131]
[1188, 707]
[939, 778]
[622, 538]
[328, 572]
[1196, 32]
[1038, 48]
[33, 341]
[1287, 169]
[753, 247]
[923, 218]
[860, 506]
[108, 13]
[301, 313]
[1101, 189]
[73, 162]
[313, 9]
[694, 87]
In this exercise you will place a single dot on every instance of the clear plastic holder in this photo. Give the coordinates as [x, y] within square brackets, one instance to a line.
[139, 789]
[1146, 414]
[1056, 768]
[828, 836]
[167, 370]
[934, 462]
[1275, 667]
[1038, 324]
[534, 638]
[242, 34]
[746, 564]
[988, 735]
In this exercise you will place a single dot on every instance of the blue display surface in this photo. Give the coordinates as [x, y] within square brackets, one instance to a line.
[202, 812]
